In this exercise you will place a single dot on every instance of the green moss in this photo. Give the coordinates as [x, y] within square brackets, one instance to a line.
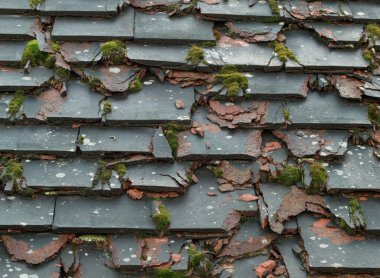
[195, 257]
[34, 3]
[195, 55]
[208, 44]
[102, 175]
[113, 51]
[171, 135]
[274, 7]
[162, 219]
[33, 53]
[94, 83]
[107, 108]
[232, 80]
[374, 114]
[13, 171]
[16, 103]
[319, 177]
[135, 85]
[367, 55]
[49, 61]
[93, 238]
[373, 31]
[218, 173]
[167, 272]
[370, 57]
[290, 175]
[120, 169]
[284, 53]
[63, 74]
[286, 114]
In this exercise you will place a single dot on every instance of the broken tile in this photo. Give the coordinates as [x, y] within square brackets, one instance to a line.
[115, 140]
[15, 79]
[102, 215]
[292, 262]
[80, 53]
[357, 171]
[89, 29]
[370, 207]
[255, 31]
[160, 28]
[26, 214]
[314, 55]
[40, 139]
[161, 147]
[236, 10]
[126, 252]
[100, 8]
[331, 249]
[372, 87]
[348, 87]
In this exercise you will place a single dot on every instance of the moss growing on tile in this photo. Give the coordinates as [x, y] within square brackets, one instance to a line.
[93, 238]
[102, 175]
[373, 31]
[274, 7]
[167, 272]
[120, 169]
[63, 74]
[113, 51]
[161, 219]
[33, 53]
[13, 170]
[370, 56]
[208, 44]
[135, 86]
[16, 103]
[319, 177]
[218, 173]
[34, 3]
[374, 114]
[171, 134]
[290, 175]
[107, 108]
[94, 83]
[195, 257]
[195, 55]
[232, 80]
[286, 115]
[284, 53]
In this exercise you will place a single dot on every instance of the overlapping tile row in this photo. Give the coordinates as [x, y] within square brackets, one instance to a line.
[189, 138]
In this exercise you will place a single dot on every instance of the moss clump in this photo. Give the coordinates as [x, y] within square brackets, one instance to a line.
[195, 55]
[93, 238]
[63, 74]
[120, 169]
[33, 53]
[208, 44]
[34, 3]
[274, 7]
[195, 257]
[233, 80]
[13, 171]
[161, 219]
[370, 57]
[16, 103]
[290, 175]
[107, 108]
[171, 135]
[102, 175]
[319, 177]
[374, 114]
[284, 53]
[367, 55]
[113, 51]
[286, 114]
[373, 31]
[94, 83]
[167, 272]
[135, 86]
[218, 173]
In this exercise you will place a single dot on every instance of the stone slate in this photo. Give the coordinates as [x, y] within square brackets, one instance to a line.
[5, 98]
[365, 11]
[157, 176]
[244, 267]
[370, 208]
[339, 33]
[116, 140]
[293, 263]
[160, 28]
[26, 214]
[161, 147]
[273, 194]
[89, 29]
[101, 8]
[124, 249]
[80, 104]
[14, 7]
[313, 54]
[277, 85]
[339, 207]
[62, 174]
[153, 105]
[38, 139]
[357, 171]
[255, 31]
[11, 52]
[78, 53]
[15, 79]
[327, 110]
[236, 10]
[102, 215]
[198, 212]
[16, 27]
[332, 250]
[372, 88]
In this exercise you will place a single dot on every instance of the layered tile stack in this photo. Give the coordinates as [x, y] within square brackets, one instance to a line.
[208, 138]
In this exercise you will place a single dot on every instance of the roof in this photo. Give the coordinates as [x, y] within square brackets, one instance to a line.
[206, 138]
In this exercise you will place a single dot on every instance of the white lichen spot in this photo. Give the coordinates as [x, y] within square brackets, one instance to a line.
[114, 70]
[60, 175]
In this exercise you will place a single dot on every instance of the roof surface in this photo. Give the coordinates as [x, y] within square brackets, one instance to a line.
[206, 138]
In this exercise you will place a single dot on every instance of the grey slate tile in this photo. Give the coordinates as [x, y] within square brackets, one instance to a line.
[198, 212]
[11, 52]
[38, 140]
[315, 55]
[370, 209]
[236, 10]
[16, 27]
[101, 8]
[154, 104]
[14, 79]
[161, 147]
[365, 11]
[357, 171]
[102, 215]
[94, 29]
[337, 252]
[292, 262]
[80, 53]
[15, 7]
[160, 28]
[5, 98]
[26, 214]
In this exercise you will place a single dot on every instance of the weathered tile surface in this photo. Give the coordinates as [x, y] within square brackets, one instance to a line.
[80, 53]
[14, 7]
[89, 29]
[364, 11]
[16, 27]
[13, 79]
[11, 52]
[370, 208]
[292, 263]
